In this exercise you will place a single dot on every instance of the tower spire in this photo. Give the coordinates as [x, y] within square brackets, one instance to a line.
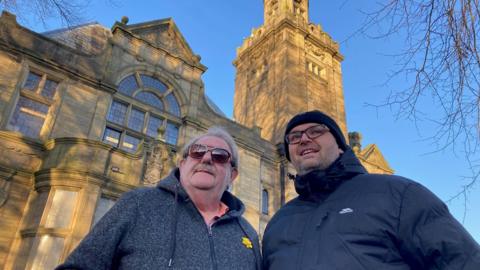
[276, 10]
[287, 66]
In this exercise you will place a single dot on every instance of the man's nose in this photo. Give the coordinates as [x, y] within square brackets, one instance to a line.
[207, 158]
[304, 138]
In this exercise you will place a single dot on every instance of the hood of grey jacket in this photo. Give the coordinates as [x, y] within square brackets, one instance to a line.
[172, 184]
[235, 210]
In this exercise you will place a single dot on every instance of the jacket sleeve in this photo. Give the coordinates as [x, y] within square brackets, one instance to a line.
[99, 249]
[430, 237]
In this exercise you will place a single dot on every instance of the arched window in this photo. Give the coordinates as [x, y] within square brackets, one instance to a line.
[264, 202]
[150, 99]
[153, 83]
[145, 88]
[128, 121]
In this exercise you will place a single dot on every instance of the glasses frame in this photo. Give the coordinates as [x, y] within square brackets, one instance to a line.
[210, 149]
[306, 132]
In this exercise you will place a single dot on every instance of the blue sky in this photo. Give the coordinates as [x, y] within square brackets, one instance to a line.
[215, 28]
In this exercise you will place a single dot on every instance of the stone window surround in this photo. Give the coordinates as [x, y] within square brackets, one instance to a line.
[37, 97]
[41, 235]
[317, 70]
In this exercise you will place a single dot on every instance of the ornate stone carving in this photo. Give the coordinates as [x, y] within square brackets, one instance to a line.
[160, 160]
[314, 50]
[355, 139]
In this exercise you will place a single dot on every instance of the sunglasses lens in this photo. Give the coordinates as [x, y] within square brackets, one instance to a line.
[197, 151]
[220, 155]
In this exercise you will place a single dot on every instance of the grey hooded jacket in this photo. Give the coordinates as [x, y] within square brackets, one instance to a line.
[160, 228]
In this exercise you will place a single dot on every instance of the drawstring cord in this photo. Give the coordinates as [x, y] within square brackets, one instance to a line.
[174, 226]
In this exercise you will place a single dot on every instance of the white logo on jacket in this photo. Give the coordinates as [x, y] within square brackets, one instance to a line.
[346, 210]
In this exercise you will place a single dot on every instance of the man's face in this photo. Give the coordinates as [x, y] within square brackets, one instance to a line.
[204, 174]
[312, 154]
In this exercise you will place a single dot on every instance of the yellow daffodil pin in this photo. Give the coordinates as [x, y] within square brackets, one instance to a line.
[246, 242]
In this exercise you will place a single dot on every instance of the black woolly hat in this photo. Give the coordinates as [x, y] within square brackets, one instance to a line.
[316, 117]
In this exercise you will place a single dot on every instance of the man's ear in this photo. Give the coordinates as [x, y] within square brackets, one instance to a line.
[180, 162]
[234, 174]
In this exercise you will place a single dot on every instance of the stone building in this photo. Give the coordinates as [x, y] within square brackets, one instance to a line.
[89, 113]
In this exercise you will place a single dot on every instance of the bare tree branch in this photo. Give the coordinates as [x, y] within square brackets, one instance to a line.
[442, 61]
[68, 12]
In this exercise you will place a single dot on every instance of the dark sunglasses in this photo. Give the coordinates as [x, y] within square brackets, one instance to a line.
[311, 132]
[219, 155]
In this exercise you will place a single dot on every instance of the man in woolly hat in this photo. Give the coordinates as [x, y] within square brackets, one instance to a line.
[346, 218]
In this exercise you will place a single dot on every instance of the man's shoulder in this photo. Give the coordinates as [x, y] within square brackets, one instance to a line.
[142, 191]
[247, 227]
[372, 180]
[145, 194]
[294, 207]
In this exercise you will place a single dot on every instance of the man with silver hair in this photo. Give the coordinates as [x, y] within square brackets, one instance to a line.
[189, 221]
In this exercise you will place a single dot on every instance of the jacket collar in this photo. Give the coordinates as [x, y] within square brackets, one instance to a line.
[171, 184]
[316, 184]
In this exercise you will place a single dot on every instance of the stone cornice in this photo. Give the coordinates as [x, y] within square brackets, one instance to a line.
[120, 29]
[50, 144]
[19, 40]
[389, 170]
[78, 179]
[8, 174]
[17, 137]
[316, 36]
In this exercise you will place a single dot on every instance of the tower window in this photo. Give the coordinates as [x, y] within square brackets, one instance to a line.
[316, 70]
[265, 204]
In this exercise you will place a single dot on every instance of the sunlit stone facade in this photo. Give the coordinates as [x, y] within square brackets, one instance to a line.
[89, 113]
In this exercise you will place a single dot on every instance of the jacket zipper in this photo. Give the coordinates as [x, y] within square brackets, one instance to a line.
[212, 248]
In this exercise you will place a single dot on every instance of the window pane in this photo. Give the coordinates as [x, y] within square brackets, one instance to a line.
[61, 211]
[128, 85]
[150, 99]
[32, 81]
[130, 143]
[49, 89]
[153, 83]
[171, 134]
[265, 202]
[136, 120]
[46, 252]
[28, 117]
[173, 107]
[111, 136]
[117, 113]
[103, 205]
[153, 124]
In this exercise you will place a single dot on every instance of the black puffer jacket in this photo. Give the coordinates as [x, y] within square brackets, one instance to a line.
[345, 218]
